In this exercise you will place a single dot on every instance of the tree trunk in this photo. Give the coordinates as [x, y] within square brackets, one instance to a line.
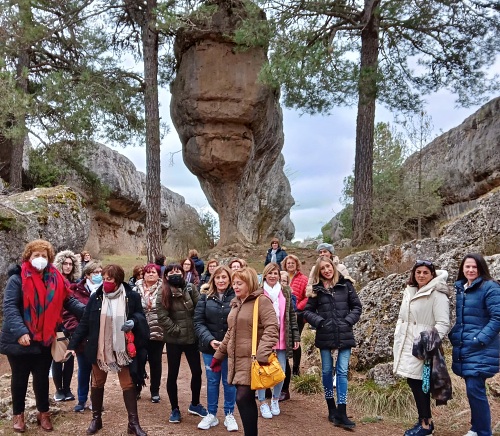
[153, 184]
[22, 67]
[365, 125]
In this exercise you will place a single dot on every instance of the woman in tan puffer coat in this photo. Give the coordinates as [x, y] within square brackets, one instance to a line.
[237, 343]
[425, 305]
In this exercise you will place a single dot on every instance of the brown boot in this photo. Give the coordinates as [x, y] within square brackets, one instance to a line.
[19, 425]
[130, 399]
[96, 396]
[43, 420]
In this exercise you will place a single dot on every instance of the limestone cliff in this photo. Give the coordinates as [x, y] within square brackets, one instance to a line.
[231, 128]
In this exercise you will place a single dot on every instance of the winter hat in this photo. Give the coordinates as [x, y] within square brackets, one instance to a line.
[325, 246]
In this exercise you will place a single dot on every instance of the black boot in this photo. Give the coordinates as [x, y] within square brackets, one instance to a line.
[96, 396]
[341, 419]
[130, 399]
[332, 409]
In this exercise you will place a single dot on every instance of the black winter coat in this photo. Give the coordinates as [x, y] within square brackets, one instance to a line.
[333, 312]
[91, 321]
[13, 322]
[199, 265]
[210, 319]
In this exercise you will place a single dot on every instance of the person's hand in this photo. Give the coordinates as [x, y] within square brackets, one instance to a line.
[216, 365]
[214, 344]
[127, 326]
[68, 354]
[24, 340]
[296, 345]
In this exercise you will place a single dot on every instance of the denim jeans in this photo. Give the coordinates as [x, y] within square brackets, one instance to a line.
[342, 368]
[213, 384]
[276, 389]
[84, 371]
[479, 406]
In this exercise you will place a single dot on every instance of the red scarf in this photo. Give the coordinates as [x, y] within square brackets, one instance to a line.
[43, 298]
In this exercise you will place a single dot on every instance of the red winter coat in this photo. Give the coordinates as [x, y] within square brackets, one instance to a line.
[298, 285]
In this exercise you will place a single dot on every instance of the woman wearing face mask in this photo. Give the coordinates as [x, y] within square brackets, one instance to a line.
[34, 298]
[92, 279]
[210, 323]
[289, 339]
[113, 311]
[425, 305]
[176, 303]
[62, 373]
[475, 337]
[333, 307]
[149, 288]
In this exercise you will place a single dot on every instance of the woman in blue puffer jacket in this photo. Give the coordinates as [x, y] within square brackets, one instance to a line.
[475, 337]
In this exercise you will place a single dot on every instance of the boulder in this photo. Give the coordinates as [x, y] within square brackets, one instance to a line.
[382, 375]
[231, 128]
[120, 229]
[57, 214]
[465, 159]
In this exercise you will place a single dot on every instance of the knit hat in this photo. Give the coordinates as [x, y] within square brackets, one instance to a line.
[325, 246]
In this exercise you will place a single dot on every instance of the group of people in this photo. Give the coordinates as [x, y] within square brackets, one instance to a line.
[121, 327]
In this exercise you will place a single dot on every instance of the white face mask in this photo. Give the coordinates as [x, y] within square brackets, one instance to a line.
[39, 263]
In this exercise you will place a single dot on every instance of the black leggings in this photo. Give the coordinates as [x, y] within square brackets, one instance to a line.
[62, 373]
[422, 400]
[245, 400]
[155, 351]
[21, 367]
[174, 354]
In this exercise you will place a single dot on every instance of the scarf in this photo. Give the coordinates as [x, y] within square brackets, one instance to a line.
[111, 348]
[92, 287]
[273, 255]
[43, 299]
[149, 295]
[274, 293]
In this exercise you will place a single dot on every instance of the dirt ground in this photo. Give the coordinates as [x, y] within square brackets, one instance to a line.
[303, 414]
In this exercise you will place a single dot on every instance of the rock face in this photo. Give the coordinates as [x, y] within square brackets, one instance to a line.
[121, 229]
[230, 126]
[58, 215]
[466, 159]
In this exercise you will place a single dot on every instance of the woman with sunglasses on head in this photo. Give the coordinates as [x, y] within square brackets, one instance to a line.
[425, 305]
[333, 307]
[475, 337]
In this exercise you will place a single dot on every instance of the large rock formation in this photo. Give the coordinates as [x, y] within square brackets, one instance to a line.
[58, 215]
[120, 229]
[466, 159]
[231, 129]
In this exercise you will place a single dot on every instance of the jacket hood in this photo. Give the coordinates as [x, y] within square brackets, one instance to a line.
[13, 270]
[77, 266]
[236, 301]
[438, 283]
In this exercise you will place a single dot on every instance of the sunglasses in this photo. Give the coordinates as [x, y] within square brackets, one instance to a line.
[424, 263]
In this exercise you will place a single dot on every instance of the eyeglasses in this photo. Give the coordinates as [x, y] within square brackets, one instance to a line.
[187, 264]
[423, 263]
[68, 263]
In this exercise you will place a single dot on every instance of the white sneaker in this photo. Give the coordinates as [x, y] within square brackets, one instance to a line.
[275, 407]
[265, 411]
[208, 421]
[230, 422]
[471, 433]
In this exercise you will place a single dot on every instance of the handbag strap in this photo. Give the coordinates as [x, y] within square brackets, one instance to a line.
[254, 327]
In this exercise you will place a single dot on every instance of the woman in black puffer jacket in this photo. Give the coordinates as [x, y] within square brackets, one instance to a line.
[210, 325]
[333, 307]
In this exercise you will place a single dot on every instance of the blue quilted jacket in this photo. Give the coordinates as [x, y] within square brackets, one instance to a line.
[475, 336]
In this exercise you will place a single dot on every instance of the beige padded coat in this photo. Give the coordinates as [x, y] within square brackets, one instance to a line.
[421, 309]
[237, 343]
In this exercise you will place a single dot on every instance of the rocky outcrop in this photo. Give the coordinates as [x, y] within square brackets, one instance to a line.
[58, 215]
[466, 159]
[120, 230]
[230, 126]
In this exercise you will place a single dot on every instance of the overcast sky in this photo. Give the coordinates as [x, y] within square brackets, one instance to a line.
[319, 153]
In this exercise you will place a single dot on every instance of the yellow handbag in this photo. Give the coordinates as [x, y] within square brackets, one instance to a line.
[267, 376]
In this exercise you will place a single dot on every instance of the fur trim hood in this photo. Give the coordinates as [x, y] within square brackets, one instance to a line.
[77, 266]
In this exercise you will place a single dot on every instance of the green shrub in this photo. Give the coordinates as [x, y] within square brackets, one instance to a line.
[307, 384]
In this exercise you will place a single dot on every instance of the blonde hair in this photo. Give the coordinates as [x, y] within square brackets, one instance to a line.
[212, 289]
[294, 258]
[268, 268]
[39, 245]
[249, 276]
[284, 275]
[317, 270]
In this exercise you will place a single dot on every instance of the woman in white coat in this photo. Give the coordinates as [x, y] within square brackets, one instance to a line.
[425, 305]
